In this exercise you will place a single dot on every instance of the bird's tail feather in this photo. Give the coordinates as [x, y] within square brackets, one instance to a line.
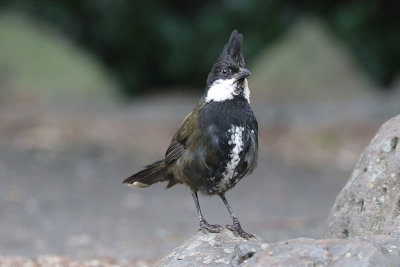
[151, 174]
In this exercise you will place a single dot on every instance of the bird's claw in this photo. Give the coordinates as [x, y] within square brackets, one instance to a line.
[212, 228]
[237, 230]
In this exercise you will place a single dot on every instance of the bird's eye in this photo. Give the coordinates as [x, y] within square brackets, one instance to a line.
[225, 71]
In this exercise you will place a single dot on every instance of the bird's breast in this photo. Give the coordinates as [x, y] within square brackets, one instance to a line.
[228, 144]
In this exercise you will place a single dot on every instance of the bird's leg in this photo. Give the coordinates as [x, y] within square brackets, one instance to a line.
[213, 228]
[236, 228]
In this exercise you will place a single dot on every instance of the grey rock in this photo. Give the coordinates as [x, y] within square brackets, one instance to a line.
[328, 252]
[244, 251]
[369, 204]
[224, 249]
[208, 249]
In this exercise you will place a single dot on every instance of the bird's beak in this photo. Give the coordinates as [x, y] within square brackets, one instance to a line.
[243, 73]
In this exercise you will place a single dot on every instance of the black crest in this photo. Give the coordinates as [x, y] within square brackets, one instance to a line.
[232, 51]
[230, 61]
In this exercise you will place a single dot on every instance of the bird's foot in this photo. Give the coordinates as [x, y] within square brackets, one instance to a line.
[212, 228]
[237, 230]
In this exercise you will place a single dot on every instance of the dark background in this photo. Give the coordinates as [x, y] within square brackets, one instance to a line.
[147, 44]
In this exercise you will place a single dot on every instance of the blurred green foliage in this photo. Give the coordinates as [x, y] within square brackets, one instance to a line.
[156, 43]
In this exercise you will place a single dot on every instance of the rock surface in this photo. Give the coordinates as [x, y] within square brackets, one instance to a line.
[369, 204]
[211, 249]
[207, 249]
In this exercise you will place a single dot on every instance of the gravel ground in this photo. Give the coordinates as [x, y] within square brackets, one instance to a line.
[61, 168]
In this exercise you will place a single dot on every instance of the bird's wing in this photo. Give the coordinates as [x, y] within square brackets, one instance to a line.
[174, 151]
[178, 144]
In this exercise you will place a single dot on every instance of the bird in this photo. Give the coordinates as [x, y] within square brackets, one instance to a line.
[217, 143]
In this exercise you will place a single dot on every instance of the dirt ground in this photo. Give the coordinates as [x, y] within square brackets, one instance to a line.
[62, 164]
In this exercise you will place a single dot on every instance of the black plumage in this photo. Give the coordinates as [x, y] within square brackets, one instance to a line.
[216, 145]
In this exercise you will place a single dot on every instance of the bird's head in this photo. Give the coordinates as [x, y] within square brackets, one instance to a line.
[227, 78]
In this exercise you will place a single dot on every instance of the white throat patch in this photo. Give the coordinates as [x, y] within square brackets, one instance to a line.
[222, 90]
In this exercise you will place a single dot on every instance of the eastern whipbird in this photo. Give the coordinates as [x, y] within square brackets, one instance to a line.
[217, 144]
